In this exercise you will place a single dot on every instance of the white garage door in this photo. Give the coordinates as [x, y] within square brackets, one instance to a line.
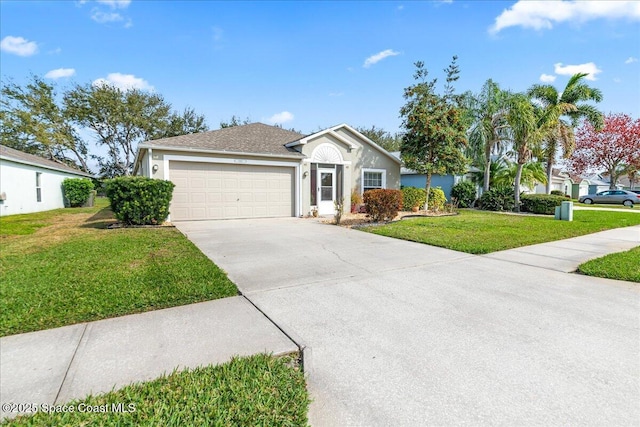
[225, 191]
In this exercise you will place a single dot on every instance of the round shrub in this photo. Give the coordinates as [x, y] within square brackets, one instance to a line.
[464, 193]
[137, 200]
[77, 190]
[382, 205]
[437, 199]
[498, 199]
[557, 193]
[413, 197]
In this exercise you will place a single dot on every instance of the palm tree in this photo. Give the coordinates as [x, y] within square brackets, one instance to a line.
[532, 173]
[488, 116]
[558, 106]
[525, 134]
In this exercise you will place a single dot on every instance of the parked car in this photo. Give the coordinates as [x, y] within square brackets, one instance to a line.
[627, 198]
[635, 191]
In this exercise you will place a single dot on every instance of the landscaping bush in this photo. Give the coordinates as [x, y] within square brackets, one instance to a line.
[77, 190]
[413, 197]
[139, 200]
[356, 200]
[498, 199]
[557, 193]
[383, 205]
[541, 203]
[465, 193]
[437, 199]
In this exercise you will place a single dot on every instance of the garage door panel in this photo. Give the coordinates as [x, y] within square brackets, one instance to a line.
[214, 197]
[214, 183]
[223, 191]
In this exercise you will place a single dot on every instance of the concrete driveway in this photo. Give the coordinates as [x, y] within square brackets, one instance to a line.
[400, 333]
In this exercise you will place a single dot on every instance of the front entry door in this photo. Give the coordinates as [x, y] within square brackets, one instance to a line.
[326, 191]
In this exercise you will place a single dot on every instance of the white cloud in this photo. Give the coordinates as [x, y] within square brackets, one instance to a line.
[631, 60]
[280, 118]
[373, 59]
[18, 46]
[617, 80]
[547, 78]
[104, 17]
[55, 51]
[124, 82]
[400, 7]
[60, 73]
[541, 15]
[336, 93]
[116, 4]
[569, 70]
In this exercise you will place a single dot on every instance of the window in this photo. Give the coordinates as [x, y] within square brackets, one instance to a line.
[372, 179]
[38, 189]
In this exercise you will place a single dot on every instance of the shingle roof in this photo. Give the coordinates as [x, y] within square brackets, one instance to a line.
[22, 157]
[254, 138]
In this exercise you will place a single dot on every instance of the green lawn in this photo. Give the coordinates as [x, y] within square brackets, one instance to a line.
[619, 266]
[620, 206]
[63, 267]
[481, 232]
[258, 391]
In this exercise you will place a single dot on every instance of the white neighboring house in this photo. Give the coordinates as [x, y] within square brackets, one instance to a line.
[560, 181]
[31, 183]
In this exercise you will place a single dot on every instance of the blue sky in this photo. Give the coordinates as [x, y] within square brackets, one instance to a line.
[310, 65]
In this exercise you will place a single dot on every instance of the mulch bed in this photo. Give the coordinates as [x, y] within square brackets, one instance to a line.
[116, 225]
[362, 220]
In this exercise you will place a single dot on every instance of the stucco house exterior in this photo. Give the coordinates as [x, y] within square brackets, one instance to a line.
[257, 170]
[30, 183]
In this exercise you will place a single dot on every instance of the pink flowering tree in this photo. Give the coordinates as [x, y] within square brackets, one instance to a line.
[615, 149]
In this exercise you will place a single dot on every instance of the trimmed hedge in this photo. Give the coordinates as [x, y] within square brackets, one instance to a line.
[383, 205]
[77, 190]
[498, 199]
[541, 203]
[137, 200]
[413, 197]
[465, 193]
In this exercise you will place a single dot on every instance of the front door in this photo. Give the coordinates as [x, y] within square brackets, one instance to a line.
[326, 191]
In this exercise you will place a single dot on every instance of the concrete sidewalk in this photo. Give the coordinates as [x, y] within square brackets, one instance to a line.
[57, 365]
[566, 255]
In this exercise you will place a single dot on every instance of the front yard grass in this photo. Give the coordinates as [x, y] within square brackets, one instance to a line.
[608, 206]
[64, 267]
[619, 266]
[481, 232]
[257, 390]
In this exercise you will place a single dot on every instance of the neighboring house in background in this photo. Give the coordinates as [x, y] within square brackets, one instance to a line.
[598, 182]
[30, 183]
[625, 184]
[560, 181]
[411, 178]
[256, 171]
[579, 187]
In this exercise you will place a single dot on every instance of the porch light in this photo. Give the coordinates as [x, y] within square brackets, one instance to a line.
[305, 174]
[155, 168]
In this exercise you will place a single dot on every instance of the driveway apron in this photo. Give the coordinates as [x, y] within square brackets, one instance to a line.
[399, 333]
